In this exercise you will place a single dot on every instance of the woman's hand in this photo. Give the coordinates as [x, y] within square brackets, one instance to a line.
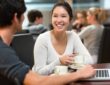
[67, 59]
[76, 22]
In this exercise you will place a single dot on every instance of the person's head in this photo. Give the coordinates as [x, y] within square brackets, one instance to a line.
[35, 17]
[61, 15]
[81, 16]
[96, 14]
[11, 10]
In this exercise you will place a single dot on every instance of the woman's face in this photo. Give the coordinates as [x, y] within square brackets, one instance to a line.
[81, 18]
[60, 19]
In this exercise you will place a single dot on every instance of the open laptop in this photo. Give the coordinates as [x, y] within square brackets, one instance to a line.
[101, 74]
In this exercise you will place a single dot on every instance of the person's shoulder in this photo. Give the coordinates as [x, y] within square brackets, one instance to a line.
[2, 44]
[43, 38]
[91, 27]
[5, 48]
[71, 33]
[36, 27]
[44, 35]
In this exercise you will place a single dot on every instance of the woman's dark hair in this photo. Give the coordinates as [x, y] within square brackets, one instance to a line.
[8, 8]
[33, 14]
[66, 6]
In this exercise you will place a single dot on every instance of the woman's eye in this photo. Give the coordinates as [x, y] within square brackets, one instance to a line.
[63, 16]
[54, 15]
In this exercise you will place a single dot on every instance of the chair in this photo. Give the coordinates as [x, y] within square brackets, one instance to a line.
[23, 44]
[104, 50]
[22, 31]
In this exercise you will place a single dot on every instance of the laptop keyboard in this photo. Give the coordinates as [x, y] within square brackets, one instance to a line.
[101, 74]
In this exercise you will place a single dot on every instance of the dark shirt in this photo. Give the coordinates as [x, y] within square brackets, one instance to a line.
[38, 29]
[35, 30]
[12, 70]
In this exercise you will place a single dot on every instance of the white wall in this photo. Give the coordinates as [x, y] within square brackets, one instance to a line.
[106, 4]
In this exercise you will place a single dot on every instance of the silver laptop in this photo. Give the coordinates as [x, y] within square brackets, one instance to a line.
[101, 74]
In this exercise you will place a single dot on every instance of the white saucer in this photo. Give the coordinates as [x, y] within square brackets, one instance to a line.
[76, 66]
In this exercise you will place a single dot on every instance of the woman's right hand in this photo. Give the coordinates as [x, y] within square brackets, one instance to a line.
[76, 22]
[67, 59]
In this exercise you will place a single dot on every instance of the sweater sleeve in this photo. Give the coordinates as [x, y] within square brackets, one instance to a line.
[11, 67]
[41, 56]
[82, 50]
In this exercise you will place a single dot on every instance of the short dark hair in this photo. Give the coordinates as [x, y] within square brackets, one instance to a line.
[8, 8]
[33, 14]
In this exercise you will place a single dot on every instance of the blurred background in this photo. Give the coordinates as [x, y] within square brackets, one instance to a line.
[45, 7]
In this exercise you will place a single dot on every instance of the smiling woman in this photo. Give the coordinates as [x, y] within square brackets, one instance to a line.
[55, 47]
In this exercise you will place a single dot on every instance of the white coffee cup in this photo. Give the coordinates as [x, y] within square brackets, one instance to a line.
[61, 70]
[79, 59]
[78, 63]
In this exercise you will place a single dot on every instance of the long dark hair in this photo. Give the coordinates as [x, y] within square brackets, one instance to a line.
[66, 6]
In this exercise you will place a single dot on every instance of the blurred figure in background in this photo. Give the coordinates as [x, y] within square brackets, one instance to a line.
[91, 34]
[80, 21]
[35, 25]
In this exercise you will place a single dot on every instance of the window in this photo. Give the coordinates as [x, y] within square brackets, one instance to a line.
[41, 1]
[84, 1]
